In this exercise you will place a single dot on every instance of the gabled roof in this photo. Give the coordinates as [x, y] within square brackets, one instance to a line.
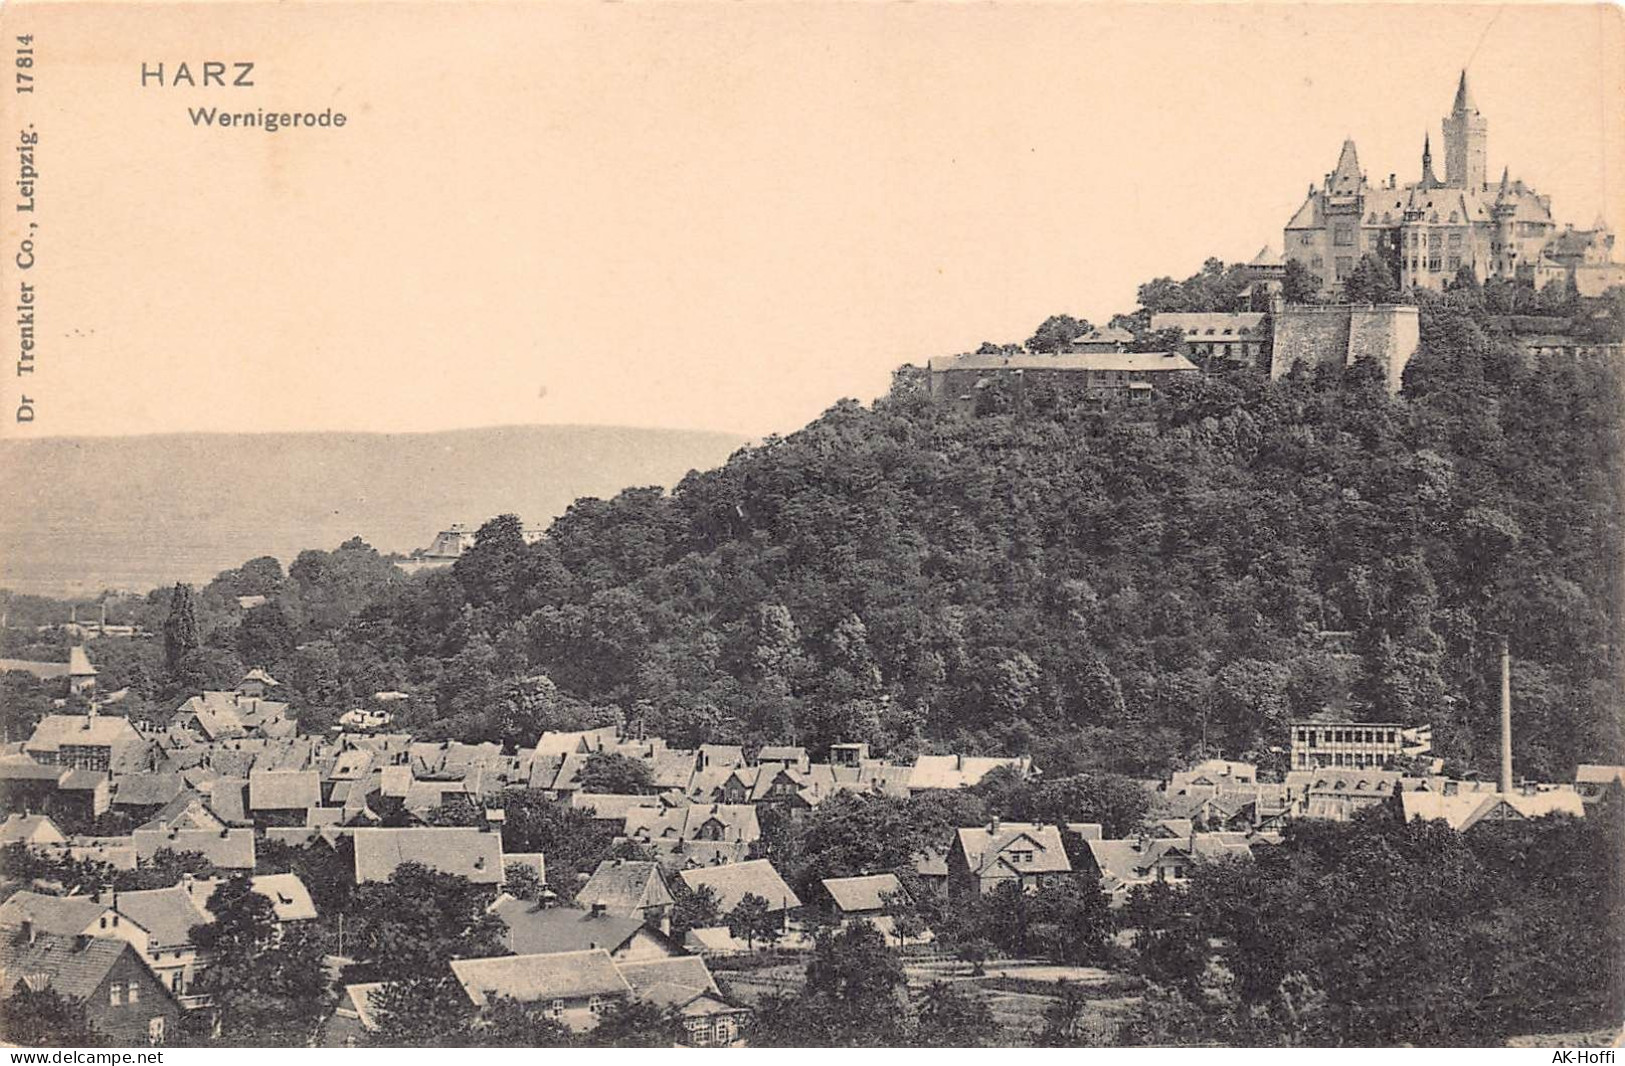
[677, 854]
[129, 747]
[733, 882]
[611, 806]
[64, 915]
[722, 755]
[188, 810]
[738, 821]
[360, 1000]
[228, 798]
[535, 928]
[467, 852]
[1595, 774]
[1463, 810]
[79, 663]
[625, 886]
[147, 789]
[580, 741]
[958, 771]
[72, 968]
[226, 849]
[671, 769]
[22, 768]
[289, 897]
[862, 893]
[1266, 257]
[42, 671]
[675, 982]
[542, 977]
[29, 829]
[168, 914]
[985, 848]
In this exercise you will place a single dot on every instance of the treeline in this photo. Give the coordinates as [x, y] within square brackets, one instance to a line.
[1102, 587]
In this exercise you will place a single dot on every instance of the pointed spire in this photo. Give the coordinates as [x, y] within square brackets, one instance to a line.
[1346, 178]
[1464, 98]
[1506, 185]
[1428, 180]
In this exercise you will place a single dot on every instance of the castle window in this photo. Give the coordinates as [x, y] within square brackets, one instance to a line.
[1343, 234]
[1455, 262]
[1345, 266]
[1306, 239]
[1454, 217]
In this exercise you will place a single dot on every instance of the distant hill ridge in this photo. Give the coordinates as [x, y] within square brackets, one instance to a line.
[87, 513]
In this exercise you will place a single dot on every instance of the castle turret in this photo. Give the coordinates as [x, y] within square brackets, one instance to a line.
[1466, 140]
[1428, 180]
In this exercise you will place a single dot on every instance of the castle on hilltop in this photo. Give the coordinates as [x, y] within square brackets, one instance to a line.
[1428, 230]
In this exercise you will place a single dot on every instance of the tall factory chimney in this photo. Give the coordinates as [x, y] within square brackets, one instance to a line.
[1506, 719]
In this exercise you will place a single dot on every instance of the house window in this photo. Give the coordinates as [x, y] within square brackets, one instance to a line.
[557, 1008]
[134, 996]
[596, 1004]
[1343, 235]
[155, 1030]
[1345, 266]
[175, 980]
[1306, 239]
[115, 994]
[1455, 262]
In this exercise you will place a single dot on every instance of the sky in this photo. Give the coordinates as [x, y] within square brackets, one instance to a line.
[702, 216]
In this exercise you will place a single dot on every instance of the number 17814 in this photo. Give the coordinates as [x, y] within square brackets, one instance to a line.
[25, 63]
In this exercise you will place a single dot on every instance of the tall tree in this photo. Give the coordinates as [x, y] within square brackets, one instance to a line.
[181, 633]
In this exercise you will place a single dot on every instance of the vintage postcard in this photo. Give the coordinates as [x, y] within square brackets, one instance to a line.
[588, 525]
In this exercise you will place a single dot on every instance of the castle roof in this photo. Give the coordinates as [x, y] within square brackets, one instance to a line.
[1464, 98]
[1346, 180]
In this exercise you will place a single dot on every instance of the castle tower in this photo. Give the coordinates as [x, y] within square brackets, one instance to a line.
[1466, 138]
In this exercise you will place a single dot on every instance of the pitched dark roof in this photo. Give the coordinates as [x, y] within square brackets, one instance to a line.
[534, 929]
[622, 886]
[72, 967]
[64, 915]
[732, 882]
[862, 893]
[534, 978]
[467, 852]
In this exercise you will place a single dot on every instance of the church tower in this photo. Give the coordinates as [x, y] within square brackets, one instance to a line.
[1466, 137]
